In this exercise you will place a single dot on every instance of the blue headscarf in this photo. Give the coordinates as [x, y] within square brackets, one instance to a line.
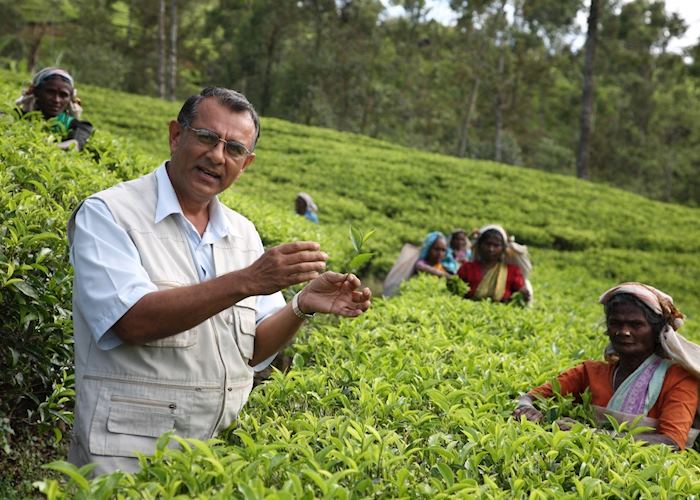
[428, 243]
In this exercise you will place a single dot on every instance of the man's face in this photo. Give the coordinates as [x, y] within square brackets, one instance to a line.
[200, 171]
[53, 96]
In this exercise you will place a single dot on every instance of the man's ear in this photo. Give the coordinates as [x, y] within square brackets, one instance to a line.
[175, 131]
[250, 159]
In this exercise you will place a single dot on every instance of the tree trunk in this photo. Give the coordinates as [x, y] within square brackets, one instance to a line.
[466, 120]
[173, 48]
[161, 49]
[582, 167]
[266, 94]
[498, 142]
[129, 23]
[38, 31]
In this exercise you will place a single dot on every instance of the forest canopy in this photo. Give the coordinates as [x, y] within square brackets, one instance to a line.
[504, 83]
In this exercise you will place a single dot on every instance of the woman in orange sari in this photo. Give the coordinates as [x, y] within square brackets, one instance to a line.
[651, 371]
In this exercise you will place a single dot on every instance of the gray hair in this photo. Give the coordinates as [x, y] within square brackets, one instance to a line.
[235, 101]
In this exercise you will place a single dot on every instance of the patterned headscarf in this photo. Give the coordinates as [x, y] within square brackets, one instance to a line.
[47, 73]
[674, 345]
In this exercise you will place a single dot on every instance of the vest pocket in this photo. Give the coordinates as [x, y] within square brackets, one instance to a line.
[244, 319]
[125, 425]
[188, 338]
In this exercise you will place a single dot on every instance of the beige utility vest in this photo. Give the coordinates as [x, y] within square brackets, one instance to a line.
[195, 382]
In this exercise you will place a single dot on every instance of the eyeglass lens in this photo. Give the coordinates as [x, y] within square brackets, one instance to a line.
[233, 148]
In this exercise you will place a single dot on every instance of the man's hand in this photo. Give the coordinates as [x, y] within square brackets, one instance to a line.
[285, 265]
[336, 294]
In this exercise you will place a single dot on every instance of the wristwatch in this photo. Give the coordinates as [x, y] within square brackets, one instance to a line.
[298, 312]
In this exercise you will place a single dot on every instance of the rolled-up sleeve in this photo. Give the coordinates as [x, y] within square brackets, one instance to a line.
[109, 277]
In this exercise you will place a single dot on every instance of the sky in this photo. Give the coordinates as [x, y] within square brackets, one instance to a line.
[688, 9]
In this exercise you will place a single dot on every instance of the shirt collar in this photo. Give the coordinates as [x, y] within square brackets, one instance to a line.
[168, 204]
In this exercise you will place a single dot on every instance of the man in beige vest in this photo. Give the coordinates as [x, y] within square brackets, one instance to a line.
[175, 301]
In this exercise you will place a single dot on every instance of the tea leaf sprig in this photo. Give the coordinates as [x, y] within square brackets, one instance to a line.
[359, 256]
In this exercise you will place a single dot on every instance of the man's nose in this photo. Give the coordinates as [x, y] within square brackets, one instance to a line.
[217, 154]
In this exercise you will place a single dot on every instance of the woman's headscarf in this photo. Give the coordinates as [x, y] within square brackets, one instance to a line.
[428, 243]
[515, 253]
[27, 101]
[310, 205]
[674, 346]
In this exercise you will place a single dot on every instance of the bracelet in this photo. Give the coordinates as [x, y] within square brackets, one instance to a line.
[298, 312]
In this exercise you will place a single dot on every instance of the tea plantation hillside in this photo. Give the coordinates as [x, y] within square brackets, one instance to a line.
[411, 400]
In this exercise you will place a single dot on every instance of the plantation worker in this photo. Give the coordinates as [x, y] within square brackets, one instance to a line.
[651, 370]
[458, 251]
[500, 267]
[304, 205]
[175, 301]
[432, 254]
[52, 92]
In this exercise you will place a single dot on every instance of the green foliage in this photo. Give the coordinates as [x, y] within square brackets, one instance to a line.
[414, 400]
[457, 286]
[41, 187]
[359, 258]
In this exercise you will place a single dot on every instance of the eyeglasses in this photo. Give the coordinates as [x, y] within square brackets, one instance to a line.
[210, 138]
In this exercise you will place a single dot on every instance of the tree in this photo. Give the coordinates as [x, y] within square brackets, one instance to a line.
[582, 168]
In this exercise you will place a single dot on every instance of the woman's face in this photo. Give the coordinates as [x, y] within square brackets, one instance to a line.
[53, 96]
[437, 251]
[630, 332]
[491, 248]
[300, 205]
[459, 241]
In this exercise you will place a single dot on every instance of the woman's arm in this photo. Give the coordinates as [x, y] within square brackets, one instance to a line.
[424, 267]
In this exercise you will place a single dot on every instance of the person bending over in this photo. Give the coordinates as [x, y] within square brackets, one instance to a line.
[304, 205]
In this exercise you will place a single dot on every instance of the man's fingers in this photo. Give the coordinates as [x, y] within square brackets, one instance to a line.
[298, 246]
[295, 279]
[305, 256]
[361, 295]
[305, 267]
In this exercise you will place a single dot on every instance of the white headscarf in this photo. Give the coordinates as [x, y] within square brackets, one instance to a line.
[310, 205]
[515, 253]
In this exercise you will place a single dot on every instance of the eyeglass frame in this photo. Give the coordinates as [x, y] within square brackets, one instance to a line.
[248, 152]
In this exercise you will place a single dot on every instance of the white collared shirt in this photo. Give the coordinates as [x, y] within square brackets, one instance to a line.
[112, 278]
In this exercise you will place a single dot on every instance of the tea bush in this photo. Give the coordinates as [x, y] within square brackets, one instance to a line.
[41, 187]
[411, 400]
[415, 402]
